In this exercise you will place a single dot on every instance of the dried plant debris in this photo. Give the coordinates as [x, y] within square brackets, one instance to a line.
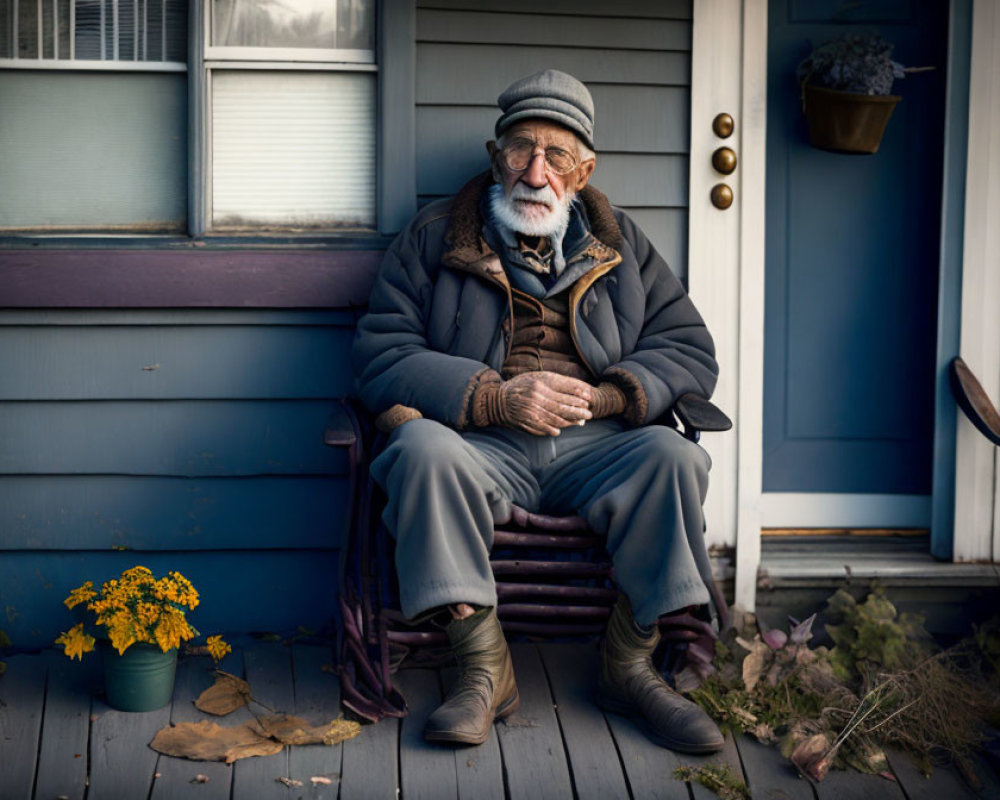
[227, 694]
[884, 683]
[209, 741]
[718, 778]
[260, 736]
[291, 730]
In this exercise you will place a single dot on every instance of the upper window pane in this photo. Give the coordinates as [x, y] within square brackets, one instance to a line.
[305, 24]
[136, 31]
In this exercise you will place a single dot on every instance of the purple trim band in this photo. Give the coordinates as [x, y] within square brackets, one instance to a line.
[186, 279]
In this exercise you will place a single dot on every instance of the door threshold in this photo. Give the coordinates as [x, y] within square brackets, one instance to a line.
[824, 567]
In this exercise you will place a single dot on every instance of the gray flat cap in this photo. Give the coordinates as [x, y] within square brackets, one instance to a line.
[549, 94]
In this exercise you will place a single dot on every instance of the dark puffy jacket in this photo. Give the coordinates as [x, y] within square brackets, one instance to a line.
[436, 316]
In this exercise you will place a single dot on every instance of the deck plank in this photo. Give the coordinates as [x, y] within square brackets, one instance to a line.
[62, 758]
[122, 763]
[853, 785]
[268, 670]
[427, 770]
[479, 768]
[534, 759]
[370, 765]
[649, 768]
[728, 755]
[194, 675]
[593, 758]
[22, 699]
[317, 699]
[944, 782]
[769, 774]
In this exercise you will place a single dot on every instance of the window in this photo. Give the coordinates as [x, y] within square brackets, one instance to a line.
[291, 101]
[97, 115]
[64, 34]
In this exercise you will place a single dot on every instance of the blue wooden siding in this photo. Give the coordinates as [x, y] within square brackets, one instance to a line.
[187, 440]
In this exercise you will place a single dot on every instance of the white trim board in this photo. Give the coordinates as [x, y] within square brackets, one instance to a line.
[816, 510]
[977, 482]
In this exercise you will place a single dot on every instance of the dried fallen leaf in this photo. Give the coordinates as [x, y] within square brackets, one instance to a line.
[226, 695]
[207, 741]
[319, 779]
[289, 782]
[756, 662]
[199, 778]
[813, 756]
[295, 730]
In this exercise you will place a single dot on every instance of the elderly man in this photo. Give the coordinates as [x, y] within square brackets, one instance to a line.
[519, 339]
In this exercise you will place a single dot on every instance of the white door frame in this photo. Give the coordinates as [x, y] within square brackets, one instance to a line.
[726, 274]
[977, 474]
[726, 262]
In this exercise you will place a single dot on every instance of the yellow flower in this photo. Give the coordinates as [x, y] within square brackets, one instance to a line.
[172, 629]
[217, 648]
[80, 595]
[147, 614]
[121, 631]
[75, 642]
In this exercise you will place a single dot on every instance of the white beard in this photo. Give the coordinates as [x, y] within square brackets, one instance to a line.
[531, 220]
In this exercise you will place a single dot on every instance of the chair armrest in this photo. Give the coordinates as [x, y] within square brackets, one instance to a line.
[341, 426]
[697, 413]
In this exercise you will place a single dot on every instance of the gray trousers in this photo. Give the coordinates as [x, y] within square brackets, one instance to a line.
[642, 488]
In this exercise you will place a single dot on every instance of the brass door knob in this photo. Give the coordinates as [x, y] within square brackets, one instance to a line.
[724, 160]
[722, 196]
[723, 125]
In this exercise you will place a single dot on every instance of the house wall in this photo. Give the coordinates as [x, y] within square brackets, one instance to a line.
[166, 408]
[179, 439]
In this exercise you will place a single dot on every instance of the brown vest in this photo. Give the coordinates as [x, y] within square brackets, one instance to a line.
[541, 339]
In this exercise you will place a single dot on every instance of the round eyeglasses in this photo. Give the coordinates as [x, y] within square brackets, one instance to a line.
[518, 155]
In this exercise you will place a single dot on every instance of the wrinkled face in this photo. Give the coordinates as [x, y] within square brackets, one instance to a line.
[538, 191]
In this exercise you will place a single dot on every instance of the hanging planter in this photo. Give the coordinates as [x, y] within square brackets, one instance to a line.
[846, 122]
[141, 678]
[845, 92]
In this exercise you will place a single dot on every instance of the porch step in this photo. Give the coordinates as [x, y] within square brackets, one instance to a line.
[796, 581]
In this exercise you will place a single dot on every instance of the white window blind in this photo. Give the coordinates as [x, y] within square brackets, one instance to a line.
[36, 33]
[293, 149]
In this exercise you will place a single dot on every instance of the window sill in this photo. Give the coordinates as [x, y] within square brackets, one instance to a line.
[354, 240]
[178, 272]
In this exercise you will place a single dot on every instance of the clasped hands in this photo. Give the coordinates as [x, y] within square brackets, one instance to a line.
[543, 403]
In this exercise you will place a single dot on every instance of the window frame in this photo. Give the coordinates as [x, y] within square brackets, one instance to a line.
[395, 131]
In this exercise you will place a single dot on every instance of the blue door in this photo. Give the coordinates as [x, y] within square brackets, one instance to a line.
[852, 266]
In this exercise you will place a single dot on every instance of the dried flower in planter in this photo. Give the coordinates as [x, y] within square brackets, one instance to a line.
[854, 63]
[137, 607]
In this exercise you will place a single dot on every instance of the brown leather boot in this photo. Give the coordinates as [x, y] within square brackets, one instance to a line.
[485, 688]
[629, 684]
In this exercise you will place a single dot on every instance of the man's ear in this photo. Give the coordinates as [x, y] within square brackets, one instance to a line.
[491, 148]
[583, 173]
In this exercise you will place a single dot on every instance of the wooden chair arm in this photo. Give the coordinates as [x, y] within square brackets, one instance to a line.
[697, 413]
[341, 426]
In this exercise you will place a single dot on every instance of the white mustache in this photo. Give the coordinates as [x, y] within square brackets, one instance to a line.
[542, 194]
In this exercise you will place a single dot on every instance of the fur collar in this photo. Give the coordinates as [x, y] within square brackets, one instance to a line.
[466, 222]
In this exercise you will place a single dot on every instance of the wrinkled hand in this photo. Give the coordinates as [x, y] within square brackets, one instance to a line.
[540, 403]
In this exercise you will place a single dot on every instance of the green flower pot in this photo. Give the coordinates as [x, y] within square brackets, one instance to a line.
[141, 678]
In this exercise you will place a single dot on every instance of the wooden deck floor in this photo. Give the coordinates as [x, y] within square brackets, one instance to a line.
[59, 740]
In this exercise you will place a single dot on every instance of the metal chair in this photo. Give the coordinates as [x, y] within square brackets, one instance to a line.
[553, 579]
